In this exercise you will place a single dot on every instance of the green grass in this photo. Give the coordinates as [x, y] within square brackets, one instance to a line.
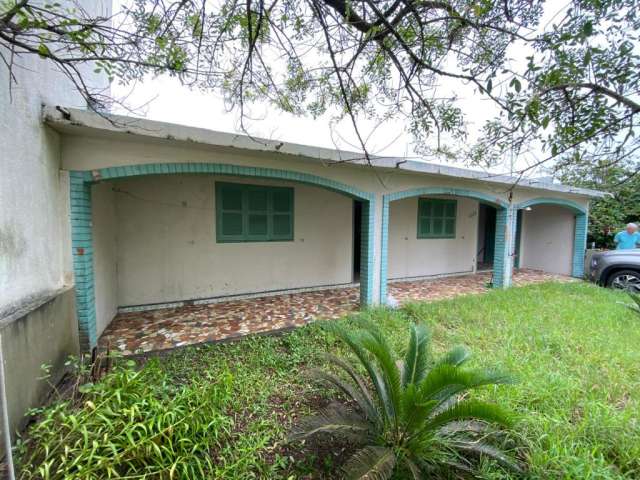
[573, 348]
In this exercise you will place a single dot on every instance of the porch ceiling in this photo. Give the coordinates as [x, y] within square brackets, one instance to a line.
[146, 331]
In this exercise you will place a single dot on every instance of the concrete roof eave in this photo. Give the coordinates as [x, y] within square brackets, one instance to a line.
[79, 121]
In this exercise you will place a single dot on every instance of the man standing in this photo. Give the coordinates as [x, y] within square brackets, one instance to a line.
[627, 239]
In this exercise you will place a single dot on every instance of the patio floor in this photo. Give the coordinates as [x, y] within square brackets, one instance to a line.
[162, 329]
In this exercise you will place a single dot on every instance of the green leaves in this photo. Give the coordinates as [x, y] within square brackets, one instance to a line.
[417, 412]
[371, 463]
[516, 85]
[132, 422]
[415, 363]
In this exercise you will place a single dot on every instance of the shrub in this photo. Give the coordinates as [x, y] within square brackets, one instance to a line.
[131, 424]
[413, 415]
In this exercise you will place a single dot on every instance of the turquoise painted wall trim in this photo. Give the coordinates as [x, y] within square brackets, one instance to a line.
[580, 236]
[502, 252]
[552, 201]
[82, 233]
[82, 245]
[580, 245]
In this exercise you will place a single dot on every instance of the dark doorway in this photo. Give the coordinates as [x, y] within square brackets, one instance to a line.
[486, 236]
[516, 262]
[357, 238]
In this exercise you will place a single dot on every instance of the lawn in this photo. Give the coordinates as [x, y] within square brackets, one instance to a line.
[573, 348]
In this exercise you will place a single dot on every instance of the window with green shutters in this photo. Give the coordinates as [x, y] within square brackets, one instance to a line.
[436, 218]
[253, 213]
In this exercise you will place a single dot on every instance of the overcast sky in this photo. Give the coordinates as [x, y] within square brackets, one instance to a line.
[165, 99]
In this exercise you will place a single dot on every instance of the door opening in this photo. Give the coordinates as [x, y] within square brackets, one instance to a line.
[357, 238]
[516, 260]
[486, 237]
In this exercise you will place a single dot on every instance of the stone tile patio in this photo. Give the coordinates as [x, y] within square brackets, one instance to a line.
[162, 329]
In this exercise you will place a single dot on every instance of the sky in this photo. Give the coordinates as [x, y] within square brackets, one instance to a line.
[163, 98]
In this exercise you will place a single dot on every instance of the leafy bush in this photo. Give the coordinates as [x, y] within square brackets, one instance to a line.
[413, 415]
[131, 424]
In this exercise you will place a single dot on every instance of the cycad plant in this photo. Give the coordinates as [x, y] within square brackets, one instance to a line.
[635, 306]
[412, 416]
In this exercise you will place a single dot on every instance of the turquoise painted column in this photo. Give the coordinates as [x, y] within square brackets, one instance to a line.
[384, 250]
[367, 253]
[82, 245]
[504, 247]
[580, 245]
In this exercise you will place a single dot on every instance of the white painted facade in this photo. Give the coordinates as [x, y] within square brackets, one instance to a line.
[410, 256]
[166, 252]
[164, 228]
[547, 239]
[35, 259]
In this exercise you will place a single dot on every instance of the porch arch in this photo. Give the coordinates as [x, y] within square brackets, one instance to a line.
[580, 235]
[82, 230]
[504, 228]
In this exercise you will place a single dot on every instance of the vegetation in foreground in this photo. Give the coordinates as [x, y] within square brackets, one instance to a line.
[573, 348]
[414, 416]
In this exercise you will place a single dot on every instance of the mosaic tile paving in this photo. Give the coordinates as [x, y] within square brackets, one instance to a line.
[162, 329]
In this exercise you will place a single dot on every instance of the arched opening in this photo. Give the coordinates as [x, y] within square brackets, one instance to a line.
[433, 231]
[190, 233]
[551, 236]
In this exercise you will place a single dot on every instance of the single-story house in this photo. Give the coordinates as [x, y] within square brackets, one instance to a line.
[163, 213]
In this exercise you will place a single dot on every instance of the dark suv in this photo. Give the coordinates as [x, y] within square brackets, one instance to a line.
[616, 269]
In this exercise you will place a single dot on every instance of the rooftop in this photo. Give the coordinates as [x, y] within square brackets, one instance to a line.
[79, 122]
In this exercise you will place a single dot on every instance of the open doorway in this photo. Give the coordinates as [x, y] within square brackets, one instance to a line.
[486, 237]
[357, 238]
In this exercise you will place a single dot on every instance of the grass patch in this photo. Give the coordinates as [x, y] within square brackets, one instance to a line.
[573, 348]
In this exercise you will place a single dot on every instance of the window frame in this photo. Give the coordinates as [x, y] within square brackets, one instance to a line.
[245, 211]
[431, 218]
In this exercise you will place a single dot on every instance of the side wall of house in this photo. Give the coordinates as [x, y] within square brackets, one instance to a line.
[35, 247]
[547, 239]
[167, 247]
[105, 229]
[410, 256]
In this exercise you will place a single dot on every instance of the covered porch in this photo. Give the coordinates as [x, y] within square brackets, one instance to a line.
[142, 331]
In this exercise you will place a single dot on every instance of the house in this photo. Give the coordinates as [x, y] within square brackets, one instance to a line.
[163, 214]
[100, 214]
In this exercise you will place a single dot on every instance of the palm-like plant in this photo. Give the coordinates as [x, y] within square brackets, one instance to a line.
[635, 306]
[411, 415]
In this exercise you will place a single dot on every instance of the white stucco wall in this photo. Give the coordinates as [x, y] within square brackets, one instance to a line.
[410, 256]
[167, 246]
[104, 253]
[94, 149]
[34, 226]
[547, 239]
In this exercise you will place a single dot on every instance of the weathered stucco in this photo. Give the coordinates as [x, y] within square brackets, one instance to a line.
[410, 256]
[47, 334]
[547, 239]
[105, 230]
[34, 225]
[167, 249]
[95, 150]
[35, 253]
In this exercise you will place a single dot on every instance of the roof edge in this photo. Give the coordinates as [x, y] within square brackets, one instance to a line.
[73, 117]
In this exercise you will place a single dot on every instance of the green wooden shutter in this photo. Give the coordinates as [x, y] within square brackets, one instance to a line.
[437, 218]
[253, 213]
[282, 213]
[230, 224]
[257, 213]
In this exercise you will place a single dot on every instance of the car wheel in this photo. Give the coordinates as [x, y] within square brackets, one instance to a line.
[628, 280]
